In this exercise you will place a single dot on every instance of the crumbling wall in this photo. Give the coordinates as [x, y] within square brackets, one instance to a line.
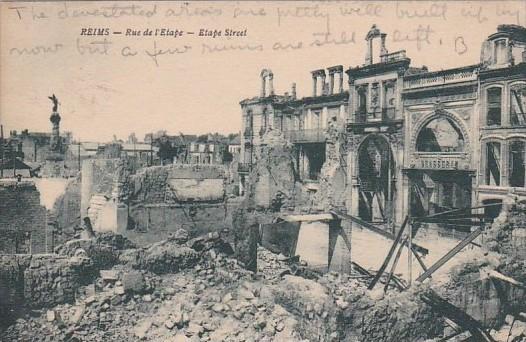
[39, 280]
[507, 235]
[333, 176]
[98, 176]
[163, 199]
[273, 181]
[22, 218]
[178, 183]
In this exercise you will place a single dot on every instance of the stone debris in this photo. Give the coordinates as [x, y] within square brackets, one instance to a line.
[184, 289]
[207, 297]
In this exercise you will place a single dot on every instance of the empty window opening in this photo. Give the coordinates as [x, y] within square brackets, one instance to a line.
[516, 163]
[494, 96]
[493, 163]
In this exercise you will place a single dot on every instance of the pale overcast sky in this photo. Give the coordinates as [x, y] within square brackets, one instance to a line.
[190, 88]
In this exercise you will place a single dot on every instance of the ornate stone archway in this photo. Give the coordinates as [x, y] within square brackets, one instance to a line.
[439, 113]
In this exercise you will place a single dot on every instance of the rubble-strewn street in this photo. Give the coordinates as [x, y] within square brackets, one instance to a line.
[209, 297]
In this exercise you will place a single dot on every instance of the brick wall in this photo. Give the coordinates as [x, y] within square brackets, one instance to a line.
[20, 211]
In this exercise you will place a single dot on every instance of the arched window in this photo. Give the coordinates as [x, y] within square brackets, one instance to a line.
[494, 104]
[249, 123]
[517, 150]
[518, 104]
[493, 163]
[440, 135]
[361, 116]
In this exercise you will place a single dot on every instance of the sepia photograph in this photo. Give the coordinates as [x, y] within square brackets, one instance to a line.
[235, 171]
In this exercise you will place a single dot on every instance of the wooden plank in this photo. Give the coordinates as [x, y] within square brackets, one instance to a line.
[389, 255]
[363, 224]
[308, 218]
[360, 269]
[393, 266]
[497, 275]
[449, 255]
[458, 316]
[375, 229]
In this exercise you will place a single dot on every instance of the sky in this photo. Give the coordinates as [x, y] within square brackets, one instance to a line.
[116, 84]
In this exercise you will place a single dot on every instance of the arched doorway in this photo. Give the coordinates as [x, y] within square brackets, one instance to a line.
[375, 175]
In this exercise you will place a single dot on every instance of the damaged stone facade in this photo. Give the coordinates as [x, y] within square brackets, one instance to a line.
[402, 139]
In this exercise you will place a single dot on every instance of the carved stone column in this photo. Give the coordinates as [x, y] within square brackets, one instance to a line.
[271, 84]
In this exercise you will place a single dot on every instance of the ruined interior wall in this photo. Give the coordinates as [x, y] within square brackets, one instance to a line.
[156, 222]
[161, 184]
[20, 211]
[333, 176]
[163, 199]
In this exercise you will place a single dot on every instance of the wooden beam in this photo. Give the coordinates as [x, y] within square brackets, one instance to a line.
[449, 255]
[389, 255]
[418, 258]
[497, 275]
[393, 266]
[374, 228]
[458, 316]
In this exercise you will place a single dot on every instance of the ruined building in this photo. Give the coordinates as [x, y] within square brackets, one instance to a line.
[409, 140]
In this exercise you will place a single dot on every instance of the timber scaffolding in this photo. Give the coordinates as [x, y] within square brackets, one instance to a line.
[459, 320]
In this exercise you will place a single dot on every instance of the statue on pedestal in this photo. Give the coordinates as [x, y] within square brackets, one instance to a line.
[55, 120]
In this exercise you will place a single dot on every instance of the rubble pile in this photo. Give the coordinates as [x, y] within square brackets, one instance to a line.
[513, 330]
[208, 296]
[473, 287]
[103, 251]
